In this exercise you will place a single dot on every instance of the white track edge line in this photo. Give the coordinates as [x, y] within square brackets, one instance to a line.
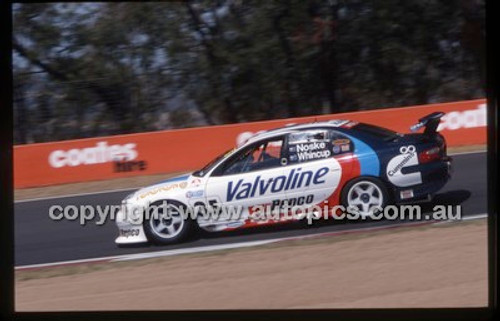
[218, 247]
[465, 218]
[77, 195]
[165, 253]
[474, 217]
[53, 264]
[467, 153]
[200, 249]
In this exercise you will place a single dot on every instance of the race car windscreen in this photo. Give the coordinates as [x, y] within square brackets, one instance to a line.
[201, 172]
[379, 132]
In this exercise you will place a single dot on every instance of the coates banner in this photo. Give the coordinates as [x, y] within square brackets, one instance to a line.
[188, 149]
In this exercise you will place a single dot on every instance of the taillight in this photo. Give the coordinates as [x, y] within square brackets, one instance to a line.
[442, 144]
[429, 155]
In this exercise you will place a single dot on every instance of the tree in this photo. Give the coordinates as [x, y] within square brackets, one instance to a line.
[106, 68]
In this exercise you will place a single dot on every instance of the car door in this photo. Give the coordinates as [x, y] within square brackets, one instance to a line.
[250, 177]
[310, 157]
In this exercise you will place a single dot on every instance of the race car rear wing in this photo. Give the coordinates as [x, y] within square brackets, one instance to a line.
[430, 122]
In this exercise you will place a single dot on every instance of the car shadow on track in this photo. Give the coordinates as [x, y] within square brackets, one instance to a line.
[450, 198]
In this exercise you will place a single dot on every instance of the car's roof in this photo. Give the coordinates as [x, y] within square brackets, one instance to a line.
[335, 123]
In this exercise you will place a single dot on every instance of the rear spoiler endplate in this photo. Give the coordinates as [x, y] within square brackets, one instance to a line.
[430, 122]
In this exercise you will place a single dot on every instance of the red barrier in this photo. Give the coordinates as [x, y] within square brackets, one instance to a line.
[187, 149]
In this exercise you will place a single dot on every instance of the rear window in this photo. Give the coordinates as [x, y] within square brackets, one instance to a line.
[382, 133]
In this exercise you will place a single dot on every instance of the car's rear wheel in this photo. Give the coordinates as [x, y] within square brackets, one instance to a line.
[168, 225]
[366, 195]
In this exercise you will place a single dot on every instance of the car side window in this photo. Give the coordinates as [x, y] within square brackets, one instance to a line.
[341, 144]
[307, 146]
[260, 156]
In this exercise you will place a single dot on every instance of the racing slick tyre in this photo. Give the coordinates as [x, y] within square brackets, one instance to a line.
[169, 226]
[366, 195]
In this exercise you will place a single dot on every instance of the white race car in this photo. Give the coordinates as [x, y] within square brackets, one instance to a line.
[315, 164]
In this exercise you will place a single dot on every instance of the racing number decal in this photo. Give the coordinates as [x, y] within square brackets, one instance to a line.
[203, 207]
[408, 157]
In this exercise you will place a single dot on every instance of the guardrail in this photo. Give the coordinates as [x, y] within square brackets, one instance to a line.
[186, 149]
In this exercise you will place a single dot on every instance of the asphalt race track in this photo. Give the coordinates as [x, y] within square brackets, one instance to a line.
[38, 239]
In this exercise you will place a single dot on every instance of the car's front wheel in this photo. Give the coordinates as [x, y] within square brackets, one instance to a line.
[168, 225]
[366, 195]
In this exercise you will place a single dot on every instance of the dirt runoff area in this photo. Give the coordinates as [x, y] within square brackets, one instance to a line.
[442, 265]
